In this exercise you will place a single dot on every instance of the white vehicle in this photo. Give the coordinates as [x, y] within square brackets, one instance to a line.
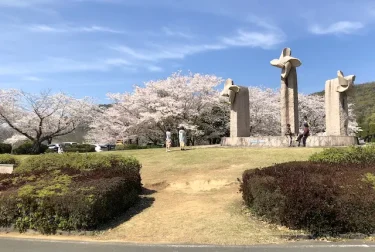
[98, 148]
[53, 146]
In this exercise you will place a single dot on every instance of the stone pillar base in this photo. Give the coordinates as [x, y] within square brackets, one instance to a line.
[278, 141]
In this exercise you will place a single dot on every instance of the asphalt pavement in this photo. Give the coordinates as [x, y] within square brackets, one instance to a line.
[33, 245]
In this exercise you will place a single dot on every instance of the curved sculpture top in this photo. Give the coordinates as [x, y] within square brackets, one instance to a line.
[286, 62]
[230, 90]
[345, 83]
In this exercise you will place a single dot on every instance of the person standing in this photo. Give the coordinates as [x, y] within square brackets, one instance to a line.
[304, 135]
[181, 137]
[168, 140]
[289, 134]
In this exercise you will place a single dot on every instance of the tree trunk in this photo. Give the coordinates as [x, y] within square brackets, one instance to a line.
[37, 147]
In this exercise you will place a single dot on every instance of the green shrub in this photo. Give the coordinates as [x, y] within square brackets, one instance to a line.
[50, 151]
[129, 147]
[27, 149]
[9, 159]
[135, 147]
[81, 148]
[68, 192]
[5, 148]
[348, 155]
[322, 198]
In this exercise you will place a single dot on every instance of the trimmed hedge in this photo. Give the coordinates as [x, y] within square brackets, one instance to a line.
[81, 148]
[5, 148]
[129, 147]
[348, 155]
[322, 198]
[9, 159]
[135, 147]
[26, 149]
[68, 192]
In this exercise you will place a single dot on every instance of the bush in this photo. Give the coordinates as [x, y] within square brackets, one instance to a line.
[9, 159]
[5, 148]
[68, 191]
[129, 147]
[26, 149]
[135, 147]
[50, 151]
[81, 148]
[325, 199]
[349, 155]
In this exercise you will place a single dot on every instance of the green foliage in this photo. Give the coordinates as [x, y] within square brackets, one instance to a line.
[68, 192]
[81, 148]
[355, 155]
[322, 198]
[27, 149]
[74, 161]
[9, 159]
[50, 151]
[132, 147]
[5, 148]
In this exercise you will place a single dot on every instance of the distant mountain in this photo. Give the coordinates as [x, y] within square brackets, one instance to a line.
[364, 101]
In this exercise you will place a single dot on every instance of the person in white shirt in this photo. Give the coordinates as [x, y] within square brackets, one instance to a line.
[168, 140]
[182, 138]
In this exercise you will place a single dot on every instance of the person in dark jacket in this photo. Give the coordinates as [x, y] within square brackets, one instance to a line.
[304, 135]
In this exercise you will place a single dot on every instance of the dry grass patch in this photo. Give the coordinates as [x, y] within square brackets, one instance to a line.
[197, 199]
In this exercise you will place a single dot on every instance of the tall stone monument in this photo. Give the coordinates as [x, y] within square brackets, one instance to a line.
[288, 90]
[238, 98]
[336, 104]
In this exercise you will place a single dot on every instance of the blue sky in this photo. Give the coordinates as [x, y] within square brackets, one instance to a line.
[92, 47]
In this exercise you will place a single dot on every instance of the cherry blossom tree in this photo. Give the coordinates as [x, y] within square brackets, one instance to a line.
[41, 117]
[158, 105]
[5, 131]
[264, 111]
[312, 106]
[193, 101]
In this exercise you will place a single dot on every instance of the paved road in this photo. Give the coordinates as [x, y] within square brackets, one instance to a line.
[23, 245]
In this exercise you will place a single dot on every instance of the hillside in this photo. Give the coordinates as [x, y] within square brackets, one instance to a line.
[364, 101]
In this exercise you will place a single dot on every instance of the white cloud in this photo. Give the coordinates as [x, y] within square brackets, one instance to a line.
[155, 69]
[266, 36]
[54, 29]
[53, 65]
[117, 62]
[45, 28]
[342, 27]
[32, 78]
[254, 39]
[95, 28]
[167, 31]
[24, 3]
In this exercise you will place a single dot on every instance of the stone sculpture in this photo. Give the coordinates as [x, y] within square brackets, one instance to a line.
[238, 98]
[336, 104]
[288, 90]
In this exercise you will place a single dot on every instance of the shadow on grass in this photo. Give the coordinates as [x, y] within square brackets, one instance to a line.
[144, 202]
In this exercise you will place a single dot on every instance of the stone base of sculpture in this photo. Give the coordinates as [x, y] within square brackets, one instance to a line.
[279, 141]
